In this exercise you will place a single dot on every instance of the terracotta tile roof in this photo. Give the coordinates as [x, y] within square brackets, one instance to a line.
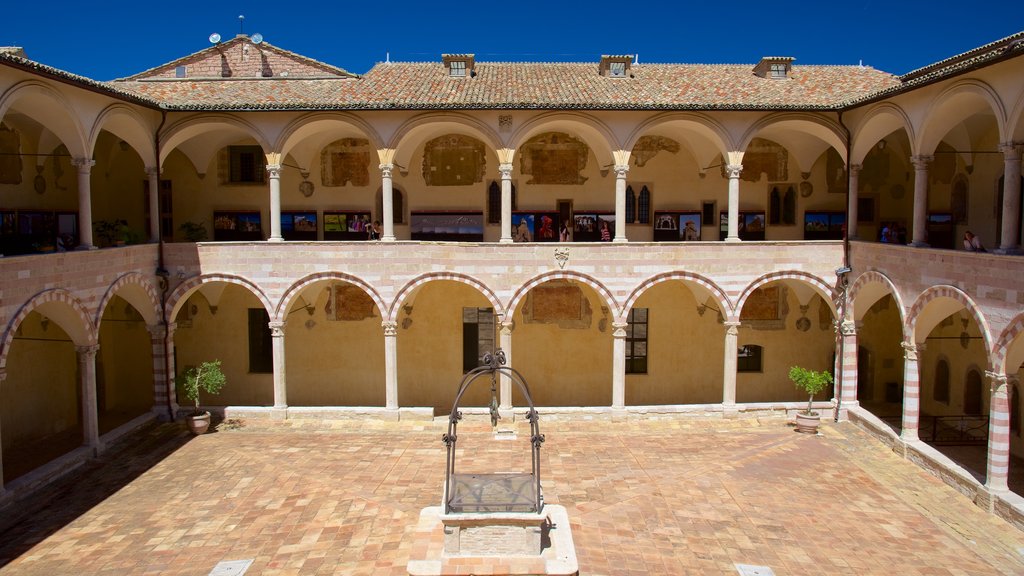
[16, 59]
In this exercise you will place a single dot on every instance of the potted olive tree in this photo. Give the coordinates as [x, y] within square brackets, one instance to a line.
[812, 382]
[208, 378]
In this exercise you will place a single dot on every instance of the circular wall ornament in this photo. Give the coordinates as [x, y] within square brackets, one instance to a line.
[306, 187]
[803, 324]
[806, 189]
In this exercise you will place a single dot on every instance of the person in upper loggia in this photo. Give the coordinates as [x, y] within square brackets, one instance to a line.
[972, 243]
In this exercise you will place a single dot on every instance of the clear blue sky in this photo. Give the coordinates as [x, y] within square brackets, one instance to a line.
[112, 39]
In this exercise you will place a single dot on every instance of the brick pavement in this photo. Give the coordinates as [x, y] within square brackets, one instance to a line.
[667, 496]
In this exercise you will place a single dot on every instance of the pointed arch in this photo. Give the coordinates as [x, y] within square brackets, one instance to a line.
[61, 306]
[948, 298]
[138, 291]
[298, 286]
[178, 296]
[598, 287]
[716, 292]
[434, 276]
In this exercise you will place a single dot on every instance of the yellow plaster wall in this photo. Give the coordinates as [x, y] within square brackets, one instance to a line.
[40, 395]
[944, 343]
[223, 336]
[333, 363]
[881, 334]
[685, 350]
[430, 349]
[124, 364]
[119, 185]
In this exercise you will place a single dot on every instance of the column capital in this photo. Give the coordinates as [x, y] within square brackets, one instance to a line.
[505, 169]
[156, 330]
[390, 328]
[385, 170]
[855, 169]
[848, 328]
[88, 351]
[276, 328]
[909, 351]
[921, 161]
[274, 170]
[998, 380]
[507, 326]
[1011, 151]
[733, 170]
[619, 329]
[171, 327]
[83, 164]
[621, 170]
[152, 171]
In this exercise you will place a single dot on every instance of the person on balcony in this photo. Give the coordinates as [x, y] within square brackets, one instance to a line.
[972, 243]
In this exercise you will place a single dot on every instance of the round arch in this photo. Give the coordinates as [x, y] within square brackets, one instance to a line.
[181, 293]
[702, 125]
[301, 284]
[418, 281]
[183, 131]
[128, 125]
[938, 302]
[1006, 355]
[880, 121]
[955, 104]
[601, 289]
[63, 308]
[425, 126]
[138, 291]
[817, 284]
[592, 131]
[687, 278]
[51, 109]
[805, 136]
[1015, 121]
[310, 125]
[869, 288]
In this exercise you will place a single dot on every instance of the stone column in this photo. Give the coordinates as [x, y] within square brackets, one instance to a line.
[911, 393]
[388, 203]
[732, 331]
[84, 166]
[921, 163]
[734, 170]
[390, 364]
[506, 202]
[998, 468]
[1009, 242]
[274, 173]
[505, 391]
[161, 384]
[280, 382]
[851, 207]
[154, 204]
[619, 364]
[90, 412]
[848, 334]
[168, 350]
[621, 170]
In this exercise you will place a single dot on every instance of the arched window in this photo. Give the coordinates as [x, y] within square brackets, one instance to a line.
[630, 205]
[973, 401]
[644, 207]
[940, 391]
[494, 202]
[1014, 409]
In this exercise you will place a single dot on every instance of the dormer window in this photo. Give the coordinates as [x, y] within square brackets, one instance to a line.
[774, 67]
[458, 65]
[615, 66]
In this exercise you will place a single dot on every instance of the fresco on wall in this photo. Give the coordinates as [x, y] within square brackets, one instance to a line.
[835, 168]
[558, 302]
[874, 172]
[453, 160]
[765, 308]
[764, 156]
[348, 303]
[346, 161]
[10, 156]
[647, 147]
[554, 158]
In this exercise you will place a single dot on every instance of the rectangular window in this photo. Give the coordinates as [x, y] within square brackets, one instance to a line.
[248, 165]
[179, 72]
[261, 347]
[617, 69]
[778, 71]
[457, 69]
[748, 358]
[636, 341]
[477, 336]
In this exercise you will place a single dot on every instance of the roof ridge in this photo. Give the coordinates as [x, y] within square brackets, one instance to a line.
[1009, 41]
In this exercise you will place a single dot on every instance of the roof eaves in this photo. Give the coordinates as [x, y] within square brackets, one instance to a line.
[34, 67]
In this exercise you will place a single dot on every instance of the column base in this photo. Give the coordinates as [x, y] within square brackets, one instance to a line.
[620, 241]
[730, 411]
[275, 239]
[84, 247]
[986, 498]
[1009, 251]
[279, 413]
[919, 245]
[388, 239]
[505, 240]
[733, 239]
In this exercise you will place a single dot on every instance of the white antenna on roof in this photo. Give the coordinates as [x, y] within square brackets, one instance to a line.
[387, 57]
[636, 58]
[214, 38]
[241, 24]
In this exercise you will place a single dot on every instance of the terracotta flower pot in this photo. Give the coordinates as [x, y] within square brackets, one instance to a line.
[198, 423]
[807, 424]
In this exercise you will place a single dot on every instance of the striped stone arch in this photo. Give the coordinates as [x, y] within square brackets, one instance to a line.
[150, 313]
[723, 300]
[598, 287]
[825, 291]
[870, 278]
[435, 276]
[952, 292]
[177, 297]
[295, 289]
[70, 314]
[1002, 348]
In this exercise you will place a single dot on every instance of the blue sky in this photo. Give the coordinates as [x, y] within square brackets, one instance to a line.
[106, 40]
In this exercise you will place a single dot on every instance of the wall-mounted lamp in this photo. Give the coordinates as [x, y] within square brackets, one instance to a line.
[881, 144]
[44, 323]
[843, 271]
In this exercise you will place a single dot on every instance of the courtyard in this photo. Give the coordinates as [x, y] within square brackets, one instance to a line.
[682, 495]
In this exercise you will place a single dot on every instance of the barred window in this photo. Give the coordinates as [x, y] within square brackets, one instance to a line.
[248, 165]
[636, 341]
[477, 336]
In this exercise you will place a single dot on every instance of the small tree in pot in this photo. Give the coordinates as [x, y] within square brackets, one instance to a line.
[812, 382]
[208, 378]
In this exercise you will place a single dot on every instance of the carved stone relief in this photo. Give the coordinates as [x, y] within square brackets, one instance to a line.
[453, 160]
[647, 147]
[346, 161]
[554, 158]
[10, 159]
[558, 302]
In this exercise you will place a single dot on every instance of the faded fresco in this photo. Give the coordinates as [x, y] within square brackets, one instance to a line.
[453, 160]
[346, 161]
[554, 158]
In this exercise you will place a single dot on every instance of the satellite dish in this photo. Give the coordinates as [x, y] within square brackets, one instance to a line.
[256, 38]
[214, 38]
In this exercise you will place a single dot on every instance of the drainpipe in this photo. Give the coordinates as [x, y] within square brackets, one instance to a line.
[162, 272]
[841, 275]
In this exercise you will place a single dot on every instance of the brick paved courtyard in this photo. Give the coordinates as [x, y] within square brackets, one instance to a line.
[674, 496]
